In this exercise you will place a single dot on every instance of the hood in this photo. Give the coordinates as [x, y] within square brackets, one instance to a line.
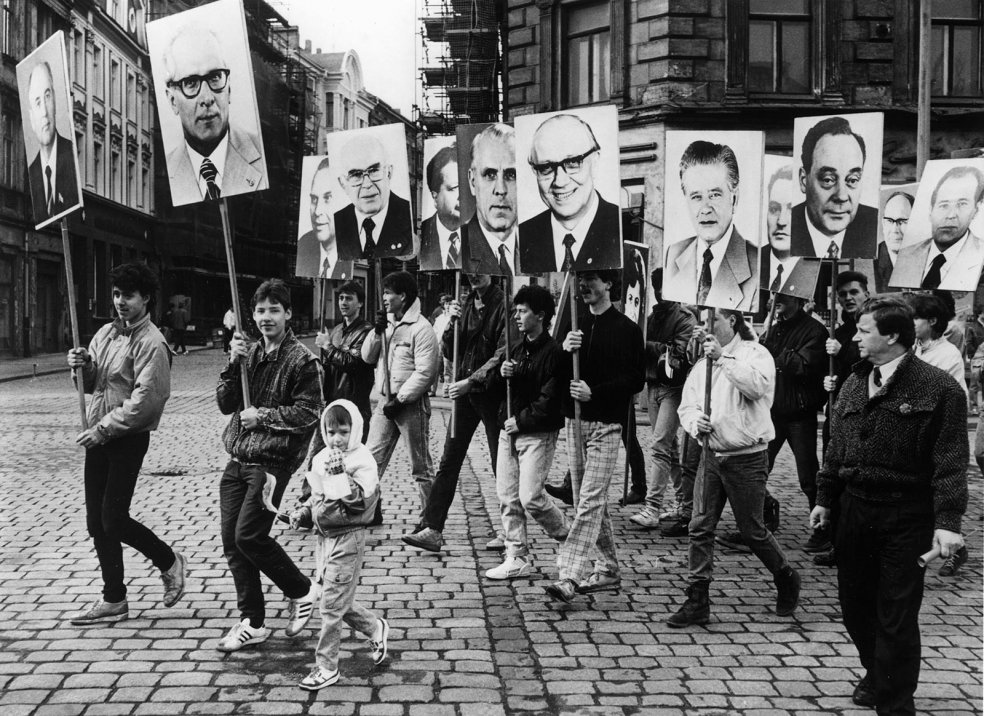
[355, 437]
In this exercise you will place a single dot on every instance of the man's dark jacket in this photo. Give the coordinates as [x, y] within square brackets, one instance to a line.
[393, 238]
[346, 374]
[542, 376]
[849, 354]
[860, 237]
[670, 325]
[482, 342]
[66, 188]
[798, 345]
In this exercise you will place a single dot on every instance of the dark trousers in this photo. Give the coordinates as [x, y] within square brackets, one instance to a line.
[226, 338]
[246, 542]
[637, 460]
[110, 478]
[801, 432]
[881, 589]
[471, 410]
[178, 336]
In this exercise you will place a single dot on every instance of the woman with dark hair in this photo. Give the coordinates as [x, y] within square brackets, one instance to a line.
[931, 318]
[633, 277]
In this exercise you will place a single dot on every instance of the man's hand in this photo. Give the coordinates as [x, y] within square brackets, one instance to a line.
[830, 383]
[510, 426]
[698, 335]
[819, 517]
[381, 323]
[91, 437]
[238, 347]
[323, 340]
[833, 346]
[250, 418]
[703, 425]
[454, 310]
[573, 341]
[459, 389]
[78, 357]
[947, 541]
[580, 391]
[393, 408]
[712, 349]
[508, 369]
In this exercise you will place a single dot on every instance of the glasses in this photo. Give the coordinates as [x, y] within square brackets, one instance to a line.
[901, 223]
[355, 177]
[571, 165]
[191, 85]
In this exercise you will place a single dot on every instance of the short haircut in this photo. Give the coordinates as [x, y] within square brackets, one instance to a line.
[136, 276]
[846, 277]
[906, 195]
[337, 417]
[785, 172]
[595, 147]
[168, 56]
[499, 132]
[832, 126]
[657, 279]
[51, 78]
[401, 282]
[273, 290]
[957, 173]
[741, 327]
[539, 300]
[892, 314]
[445, 297]
[613, 276]
[701, 153]
[633, 272]
[947, 298]
[353, 288]
[927, 306]
[444, 156]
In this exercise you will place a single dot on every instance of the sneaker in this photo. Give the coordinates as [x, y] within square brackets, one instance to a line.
[318, 679]
[732, 540]
[299, 612]
[100, 612]
[600, 582]
[379, 641]
[819, 541]
[562, 591]
[825, 559]
[428, 538]
[243, 634]
[670, 512]
[511, 568]
[497, 543]
[174, 580]
[952, 564]
[647, 517]
[680, 527]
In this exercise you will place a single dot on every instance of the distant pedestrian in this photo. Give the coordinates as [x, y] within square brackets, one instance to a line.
[931, 317]
[127, 369]
[441, 323]
[228, 328]
[179, 319]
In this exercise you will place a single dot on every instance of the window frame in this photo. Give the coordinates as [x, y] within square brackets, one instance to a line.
[565, 55]
[949, 25]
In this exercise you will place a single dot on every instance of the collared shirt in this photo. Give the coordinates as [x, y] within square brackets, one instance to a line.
[378, 219]
[951, 253]
[788, 264]
[509, 242]
[579, 232]
[331, 254]
[718, 249]
[887, 370]
[218, 158]
[444, 238]
[821, 242]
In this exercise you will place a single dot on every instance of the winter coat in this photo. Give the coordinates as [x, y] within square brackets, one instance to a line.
[413, 356]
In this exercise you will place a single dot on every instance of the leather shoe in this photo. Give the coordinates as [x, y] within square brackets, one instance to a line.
[564, 493]
[562, 591]
[864, 693]
[633, 498]
[599, 582]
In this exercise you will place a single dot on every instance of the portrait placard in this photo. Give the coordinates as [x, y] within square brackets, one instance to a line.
[206, 103]
[317, 247]
[894, 208]
[712, 218]
[838, 168]
[568, 187]
[943, 244]
[439, 247]
[635, 281]
[49, 132]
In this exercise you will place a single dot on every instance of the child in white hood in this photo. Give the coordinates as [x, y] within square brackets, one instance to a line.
[345, 489]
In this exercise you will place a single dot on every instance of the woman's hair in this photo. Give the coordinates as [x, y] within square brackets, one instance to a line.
[337, 417]
[136, 276]
[930, 307]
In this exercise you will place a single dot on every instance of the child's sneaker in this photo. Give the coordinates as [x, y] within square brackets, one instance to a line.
[379, 640]
[243, 634]
[511, 568]
[299, 612]
[100, 612]
[318, 679]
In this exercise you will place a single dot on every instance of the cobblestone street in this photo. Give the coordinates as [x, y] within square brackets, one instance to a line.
[460, 643]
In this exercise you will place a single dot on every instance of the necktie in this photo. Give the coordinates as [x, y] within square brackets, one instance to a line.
[369, 253]
[208, 172]
[832, 251]
[704, 284]
[50, 203]
[933, 276]
[568, 254]
[877, 377]
[325, 268]
[503, 262]
[777, 281]
[454, 256]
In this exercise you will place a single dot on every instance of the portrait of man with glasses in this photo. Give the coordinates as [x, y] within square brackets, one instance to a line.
[217, 153]
[565, 158]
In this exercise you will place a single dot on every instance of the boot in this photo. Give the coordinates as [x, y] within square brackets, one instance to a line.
[696, 610]
[788, 585]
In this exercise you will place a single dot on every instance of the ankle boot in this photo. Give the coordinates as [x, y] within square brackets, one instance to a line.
[788, 587]
[696, 610]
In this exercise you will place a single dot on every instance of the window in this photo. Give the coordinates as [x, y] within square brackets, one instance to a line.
[97, 70]
[115, 84]
[587, 54]
[116, 177]
[78, 57]
[144, 186]
[6, 25]
[329, 110]
[131, 96]
[8, 149]
[97, 167]
[956, 48]
[131, 184]
[779, 46]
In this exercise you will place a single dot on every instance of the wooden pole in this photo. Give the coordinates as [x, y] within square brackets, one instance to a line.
[324, 302]
[378, 272]
[831, 368]
[233, 286]
[924, 88]
[708, 384]
[73, 317]
[627, 433]
[572, 297]
[506, 293]
[456, 327]
[561, 302]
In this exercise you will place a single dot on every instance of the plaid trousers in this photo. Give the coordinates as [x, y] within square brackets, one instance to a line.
[592, 464]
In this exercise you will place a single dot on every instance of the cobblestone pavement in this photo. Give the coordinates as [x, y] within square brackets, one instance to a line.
[460, 644]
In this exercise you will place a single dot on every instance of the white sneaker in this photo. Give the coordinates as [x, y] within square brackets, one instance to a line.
[379, 640]
[318, 679]
[243, 635]
[299, 611]
[512, 568]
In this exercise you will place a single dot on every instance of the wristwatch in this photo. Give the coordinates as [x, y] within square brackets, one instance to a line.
[261, 415]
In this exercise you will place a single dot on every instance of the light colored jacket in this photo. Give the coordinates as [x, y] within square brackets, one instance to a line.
[413, 356]
[743, 385]
[129, 377]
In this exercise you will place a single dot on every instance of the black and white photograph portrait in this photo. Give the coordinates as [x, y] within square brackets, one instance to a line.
[49, 135]
[317, 248]
[838, 166]
[635, 281]
[206, 101]
[440, 229]
[373, 217]
[895, 208]
[712, 216]
[943, 244]
[568, 182]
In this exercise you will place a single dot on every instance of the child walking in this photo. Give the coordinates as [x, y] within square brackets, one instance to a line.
[344, 492]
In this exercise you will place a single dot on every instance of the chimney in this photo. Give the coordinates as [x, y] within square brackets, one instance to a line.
[319, 51]
[307, 45]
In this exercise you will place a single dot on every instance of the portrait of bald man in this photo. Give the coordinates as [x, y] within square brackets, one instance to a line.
[564, 158]
[220, 152]
[378, 222]
[317, 251]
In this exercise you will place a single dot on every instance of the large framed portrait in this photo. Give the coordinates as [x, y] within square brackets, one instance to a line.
[894, 209]
[440, 227]
[317, 245]
[49, 134]
[206, 103]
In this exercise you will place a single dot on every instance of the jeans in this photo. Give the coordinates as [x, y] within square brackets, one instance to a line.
[663, 402]
[246, 542]
[524, 462]
[881, 589]
[471, 410]
[110, 478]
[413, 423]
[690, 451]
[740, 480]
[802, 436]
[340, 564]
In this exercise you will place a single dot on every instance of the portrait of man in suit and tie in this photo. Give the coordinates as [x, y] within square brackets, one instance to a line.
[212, 143]
[952, 256]
[53, 170]
[378, 222]
[894, 220]
[832, 221]
[565, 159]
[440, 235]
[317, 251]
[716, 266]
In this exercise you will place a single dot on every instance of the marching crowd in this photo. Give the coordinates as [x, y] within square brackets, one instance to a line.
[890, 482]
